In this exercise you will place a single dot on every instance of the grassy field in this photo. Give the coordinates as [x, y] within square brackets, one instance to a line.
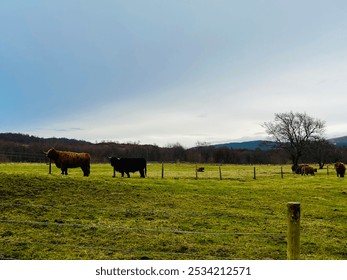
[176, 217]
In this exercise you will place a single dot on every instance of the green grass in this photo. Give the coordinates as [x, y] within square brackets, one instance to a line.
[179, 217]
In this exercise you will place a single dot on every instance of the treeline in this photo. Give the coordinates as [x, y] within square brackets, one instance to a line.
[26, 148]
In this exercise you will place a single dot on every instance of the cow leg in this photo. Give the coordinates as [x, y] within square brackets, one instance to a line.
[114, 172]
[122, 174]
[86, 171]
[128, 174]
[142, 172]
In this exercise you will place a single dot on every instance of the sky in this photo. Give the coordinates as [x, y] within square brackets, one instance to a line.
[165, 72]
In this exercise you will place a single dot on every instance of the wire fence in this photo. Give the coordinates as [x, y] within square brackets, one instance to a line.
[111, 230]
[21, 157]
[183, 170]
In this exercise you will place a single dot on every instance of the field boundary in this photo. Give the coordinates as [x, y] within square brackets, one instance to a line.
[113, 227]
[167, 170]
[133, 228]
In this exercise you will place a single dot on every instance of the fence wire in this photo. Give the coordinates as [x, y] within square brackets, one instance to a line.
[78, 225]
[111, 228]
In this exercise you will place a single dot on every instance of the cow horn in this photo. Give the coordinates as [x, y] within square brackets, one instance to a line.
[46, 153]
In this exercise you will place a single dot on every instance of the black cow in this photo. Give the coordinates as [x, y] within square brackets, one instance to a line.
[126, 165]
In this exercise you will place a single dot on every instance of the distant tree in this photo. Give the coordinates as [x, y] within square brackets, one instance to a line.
[176, 152]
[294, 132]
[321, 152]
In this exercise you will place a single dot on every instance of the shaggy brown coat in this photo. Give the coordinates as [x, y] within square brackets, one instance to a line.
[65, 160]
[340, 169]
[298, 168]
[305, 170]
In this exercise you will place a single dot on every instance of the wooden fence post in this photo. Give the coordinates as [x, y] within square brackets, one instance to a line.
[281, 172]
[293, 238]
[162, 170]
[220, 173]
[254, 172]
[196, 171]
[50, 167]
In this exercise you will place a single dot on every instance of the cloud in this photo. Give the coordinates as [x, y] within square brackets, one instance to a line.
[174, 72]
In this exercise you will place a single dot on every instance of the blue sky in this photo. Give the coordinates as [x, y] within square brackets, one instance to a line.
[162, 72]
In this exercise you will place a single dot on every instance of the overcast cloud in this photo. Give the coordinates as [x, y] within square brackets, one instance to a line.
[162, 72]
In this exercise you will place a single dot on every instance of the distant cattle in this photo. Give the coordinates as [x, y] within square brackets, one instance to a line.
[297, 168]
[65, 160]
[127, 165]
[200, 169]
[340, 169]
[305, 170]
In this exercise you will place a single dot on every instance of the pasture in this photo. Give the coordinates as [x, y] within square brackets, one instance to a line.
[50, 216]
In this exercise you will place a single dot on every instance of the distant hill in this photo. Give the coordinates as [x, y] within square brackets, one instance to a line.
[339, 141]
[248, 145]
[16, 147]
[267, 145]
[30, 139]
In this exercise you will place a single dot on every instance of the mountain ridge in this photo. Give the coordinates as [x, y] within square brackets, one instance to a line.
[265, 145]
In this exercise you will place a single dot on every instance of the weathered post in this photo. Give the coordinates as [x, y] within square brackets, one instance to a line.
[220, 173]
[281, 172]
[327, 169]
[50, 167]
[293, 238]
[196, 171]
[162, 170]
[255, 175]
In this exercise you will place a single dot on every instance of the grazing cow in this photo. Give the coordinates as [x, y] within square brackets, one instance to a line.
[126, 165]
[340, 169]
[305, 170]
[65, 160]
[200, 169]
[297, 169]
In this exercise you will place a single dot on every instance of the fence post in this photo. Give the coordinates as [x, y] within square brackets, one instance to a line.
[327, 169]
[254, 172]
[162, 170]
[220, 173]
[50, 167]
[293, 238]
[196, 171]
[281, 172]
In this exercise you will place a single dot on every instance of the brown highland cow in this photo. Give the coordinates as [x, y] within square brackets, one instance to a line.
[340, 169]
[65, 160]
[297, 169]
[308, 170]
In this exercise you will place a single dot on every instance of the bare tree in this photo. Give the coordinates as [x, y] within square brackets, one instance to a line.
[322, 152]
[294, 132]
